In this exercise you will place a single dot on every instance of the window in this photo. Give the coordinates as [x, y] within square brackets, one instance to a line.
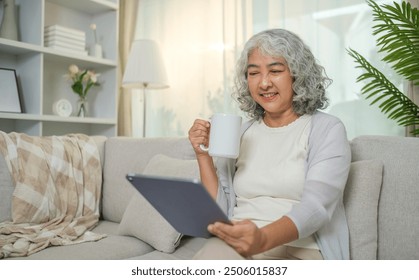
[201, 39]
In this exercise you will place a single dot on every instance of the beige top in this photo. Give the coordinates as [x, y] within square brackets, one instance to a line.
[270, 173]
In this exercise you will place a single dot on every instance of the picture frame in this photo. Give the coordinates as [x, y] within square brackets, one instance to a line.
[9, 91]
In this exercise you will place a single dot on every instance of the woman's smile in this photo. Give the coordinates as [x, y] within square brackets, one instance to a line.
[268, 96]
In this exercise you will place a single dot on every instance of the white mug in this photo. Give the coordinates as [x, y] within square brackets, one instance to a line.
[225, 135]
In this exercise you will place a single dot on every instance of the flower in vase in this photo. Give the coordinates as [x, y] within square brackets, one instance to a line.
[83, 80]
[93, 27]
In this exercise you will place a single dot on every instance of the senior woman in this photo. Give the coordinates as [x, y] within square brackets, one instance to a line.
[284, 192]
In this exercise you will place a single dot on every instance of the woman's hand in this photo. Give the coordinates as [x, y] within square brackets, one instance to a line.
[244, 236]
[199, 134]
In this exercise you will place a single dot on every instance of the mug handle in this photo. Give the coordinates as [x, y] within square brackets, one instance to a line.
[203, 148]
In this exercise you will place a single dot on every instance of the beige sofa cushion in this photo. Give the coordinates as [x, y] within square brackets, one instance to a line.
[141, 220]
[398, 207]
[125, 155]
[113, 247]
[162, 165]
[361, 204]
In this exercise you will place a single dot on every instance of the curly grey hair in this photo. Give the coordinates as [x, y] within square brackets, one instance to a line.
[310, 79]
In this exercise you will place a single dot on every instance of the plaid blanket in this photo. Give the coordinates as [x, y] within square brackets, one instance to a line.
[57, 192]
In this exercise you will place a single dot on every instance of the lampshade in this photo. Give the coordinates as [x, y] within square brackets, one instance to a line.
[145, 67]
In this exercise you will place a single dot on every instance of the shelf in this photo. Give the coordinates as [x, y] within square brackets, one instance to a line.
[41, 70]
[71, 57]
[19, 48]
[53, 118]
[92, 6]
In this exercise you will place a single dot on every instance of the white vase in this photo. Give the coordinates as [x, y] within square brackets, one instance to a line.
[8, 28]
[96, 51]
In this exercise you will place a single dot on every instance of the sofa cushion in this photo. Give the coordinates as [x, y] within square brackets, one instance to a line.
[361, 204]
[162, 165]
[100, 143]
[188, 247]
[142, 220]
[131, 155]
[398, 223]
[112, 247]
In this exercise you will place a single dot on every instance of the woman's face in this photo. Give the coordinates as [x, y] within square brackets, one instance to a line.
[270, 84]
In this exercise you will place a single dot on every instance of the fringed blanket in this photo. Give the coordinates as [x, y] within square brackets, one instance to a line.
[57, 192]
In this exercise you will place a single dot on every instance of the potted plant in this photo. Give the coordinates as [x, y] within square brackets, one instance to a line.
[397, 26]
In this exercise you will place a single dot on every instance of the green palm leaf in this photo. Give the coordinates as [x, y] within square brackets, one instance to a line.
[398, 27]
[394, 103]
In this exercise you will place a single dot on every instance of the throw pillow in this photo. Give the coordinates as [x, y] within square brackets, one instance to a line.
[361, 205]
[141, 220]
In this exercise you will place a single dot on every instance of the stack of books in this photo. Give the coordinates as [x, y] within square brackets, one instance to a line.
[65, 39]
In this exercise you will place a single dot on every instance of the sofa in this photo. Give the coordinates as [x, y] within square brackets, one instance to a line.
[381, 201]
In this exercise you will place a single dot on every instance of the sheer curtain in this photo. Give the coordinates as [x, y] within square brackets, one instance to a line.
[201, 39]
[128, 15]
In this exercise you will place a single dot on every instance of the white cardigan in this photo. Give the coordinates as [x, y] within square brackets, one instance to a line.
[321, 208]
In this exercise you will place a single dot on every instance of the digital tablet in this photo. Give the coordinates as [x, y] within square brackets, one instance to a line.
[185, 204]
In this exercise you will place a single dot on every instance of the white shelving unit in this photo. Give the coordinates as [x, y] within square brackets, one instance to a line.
[41, 70]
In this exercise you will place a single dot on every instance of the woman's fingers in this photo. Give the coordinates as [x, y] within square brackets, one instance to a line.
[242, 235]
[199, 134]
